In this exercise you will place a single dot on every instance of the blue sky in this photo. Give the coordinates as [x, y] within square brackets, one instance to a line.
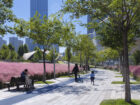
[21, 9]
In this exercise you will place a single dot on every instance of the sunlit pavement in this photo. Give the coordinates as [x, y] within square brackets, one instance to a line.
[67, 92]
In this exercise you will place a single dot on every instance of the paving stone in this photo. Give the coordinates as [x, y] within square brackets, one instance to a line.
[67, 92]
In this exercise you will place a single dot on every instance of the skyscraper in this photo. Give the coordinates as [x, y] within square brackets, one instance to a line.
[15, 42]
[2, 42]
[40, 6]
[91, 32]
[30, 44]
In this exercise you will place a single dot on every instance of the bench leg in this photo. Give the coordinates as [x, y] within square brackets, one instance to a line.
[17, 86]
[8, 87]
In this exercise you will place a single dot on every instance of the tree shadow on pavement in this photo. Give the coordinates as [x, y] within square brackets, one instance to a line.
[135, 88]
[63, 88]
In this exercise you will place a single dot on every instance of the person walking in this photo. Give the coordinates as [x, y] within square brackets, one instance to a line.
[75, 71]
[92, 77]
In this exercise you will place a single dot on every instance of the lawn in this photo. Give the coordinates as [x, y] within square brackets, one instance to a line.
[66, 76]
[121, 82]
[119, 102]
[47, 82]
[61, 62]
[119, 76]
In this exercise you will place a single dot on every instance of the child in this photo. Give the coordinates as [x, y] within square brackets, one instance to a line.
[92, 77]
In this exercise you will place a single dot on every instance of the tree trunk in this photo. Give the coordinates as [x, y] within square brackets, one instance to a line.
[123, 70]
[126, 68]
[68, 67]
[44, 64]
[80, 60]
[122, 65]
[68, 61]
[54, 61]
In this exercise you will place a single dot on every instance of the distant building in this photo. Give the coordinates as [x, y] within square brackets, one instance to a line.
[2, 42]
[40, 6]
[92, 34]
[30, 44]
[15, 42]
[56, 47]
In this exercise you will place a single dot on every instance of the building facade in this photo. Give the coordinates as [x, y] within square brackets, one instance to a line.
[92, 34]
[15, 42]
[2, 42]
[40, 6]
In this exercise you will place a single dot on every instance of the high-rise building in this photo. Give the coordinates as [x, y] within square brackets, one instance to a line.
[40, 6]
[30, 44]
[15, 42]
[92, 34]
[2, 42]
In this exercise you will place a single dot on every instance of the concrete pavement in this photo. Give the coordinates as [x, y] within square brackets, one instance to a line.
[66, 92]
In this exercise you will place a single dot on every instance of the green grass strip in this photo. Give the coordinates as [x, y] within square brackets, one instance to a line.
[121, 82]
[120, 102]
[47, 82]
[66, 76]
[119, 76]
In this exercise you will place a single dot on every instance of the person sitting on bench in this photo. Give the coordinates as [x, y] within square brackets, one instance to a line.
[29, 83]
[23, 75]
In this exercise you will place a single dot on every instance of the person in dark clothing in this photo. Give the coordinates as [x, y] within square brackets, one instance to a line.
[23, 75]
[75, 71]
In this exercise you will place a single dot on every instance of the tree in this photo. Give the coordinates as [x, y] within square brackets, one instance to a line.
[68, 40]
[136, 57]
[88, 49]
[51, 56]
[84, 46]
[78, 47]
[6, 15]
[11, 47]
[12, 53]
[5, 52]
[43, 31]
[68, 54]
[21, 51]
[122, 14]
[25, 48]
[38, 55]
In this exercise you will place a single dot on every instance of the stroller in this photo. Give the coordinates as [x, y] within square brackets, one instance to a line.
[79, 79]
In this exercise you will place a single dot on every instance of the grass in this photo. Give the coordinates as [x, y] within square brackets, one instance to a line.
[117, 73]
[120, 102]
[119, 76]
[66, 76]
[61, 62]
[91, 66]
[82, 73]
[121, 82]
[41, 82]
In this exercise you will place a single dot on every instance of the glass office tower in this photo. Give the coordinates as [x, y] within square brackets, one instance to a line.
[92, 34]
[39, 5]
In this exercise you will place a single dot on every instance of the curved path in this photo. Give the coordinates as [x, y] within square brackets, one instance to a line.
[66, 92]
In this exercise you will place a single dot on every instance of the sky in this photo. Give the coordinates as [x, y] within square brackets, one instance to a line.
[21, 9]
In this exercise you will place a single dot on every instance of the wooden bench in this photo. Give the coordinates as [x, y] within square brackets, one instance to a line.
[16, 81]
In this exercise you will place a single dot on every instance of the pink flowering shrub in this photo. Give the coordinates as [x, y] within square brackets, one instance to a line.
[8, 69]
[135, 70]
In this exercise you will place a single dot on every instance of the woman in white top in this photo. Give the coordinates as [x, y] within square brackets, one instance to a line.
[92, 77]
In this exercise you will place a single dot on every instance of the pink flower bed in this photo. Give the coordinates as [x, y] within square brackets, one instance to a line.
[135, 70]
[8, 69]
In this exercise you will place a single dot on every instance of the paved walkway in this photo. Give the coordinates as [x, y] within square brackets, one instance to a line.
[66, 92]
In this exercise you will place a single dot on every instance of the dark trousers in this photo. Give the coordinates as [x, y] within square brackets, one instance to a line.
[75, 76]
